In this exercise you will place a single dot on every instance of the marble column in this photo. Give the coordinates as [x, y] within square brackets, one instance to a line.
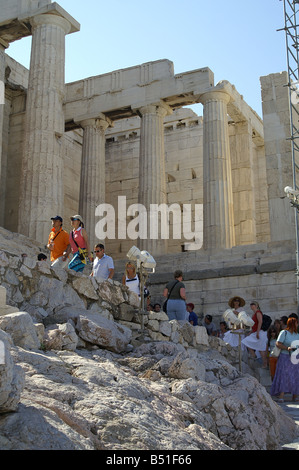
[2, 105]
[152, 179]
[41, 190]
[92, 184]
[217, 185]
[245, 188]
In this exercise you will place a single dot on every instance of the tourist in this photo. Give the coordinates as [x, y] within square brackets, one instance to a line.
[223, 329]
[210, 325]
[257, 339]
[272, 335]
[294, 315]
[283, 322]
[157, 307]
[286, 379]
[79, 244]
[41, 257]
[236, 304]
[175, 292]
[58, 242]
[131, 278]
[103, 265]
[277, 325]
[193, 319]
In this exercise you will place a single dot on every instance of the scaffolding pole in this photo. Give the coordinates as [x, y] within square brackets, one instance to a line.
[291, 13]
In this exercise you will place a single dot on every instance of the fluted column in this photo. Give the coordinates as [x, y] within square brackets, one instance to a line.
[152, 180]
[41, 191]
[92, 184]
[217, 185]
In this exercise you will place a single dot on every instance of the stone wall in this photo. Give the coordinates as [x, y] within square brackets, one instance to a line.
[183, 154]
[278, 152]
[33, 293]
[264, 272]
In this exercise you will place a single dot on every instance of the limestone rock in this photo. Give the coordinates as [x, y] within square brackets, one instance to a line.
[111, 292]
[86, 286]
[186, 367]
[53, 339]
[5, 309]
[102, 332]
[133, 299]
[201, 335]
[57, 293]
[11, 377]
[165, 328]
[21, 328]
[60, 337]
[69, 337]
[126, 312]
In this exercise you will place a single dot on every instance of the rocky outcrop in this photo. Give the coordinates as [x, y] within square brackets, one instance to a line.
[12, 376]
[78, 371]
[155, 397]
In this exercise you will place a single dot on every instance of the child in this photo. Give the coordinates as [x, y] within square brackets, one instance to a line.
[272, 337]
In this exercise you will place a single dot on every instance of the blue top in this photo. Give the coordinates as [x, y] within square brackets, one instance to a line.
[287, 339]
[193, 317]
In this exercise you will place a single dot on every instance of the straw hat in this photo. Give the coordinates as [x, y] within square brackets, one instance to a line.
[241, 301]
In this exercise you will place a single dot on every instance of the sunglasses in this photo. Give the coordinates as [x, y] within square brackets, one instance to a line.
[98, 251]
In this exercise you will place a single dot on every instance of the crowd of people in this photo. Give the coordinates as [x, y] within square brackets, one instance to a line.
[277, 345]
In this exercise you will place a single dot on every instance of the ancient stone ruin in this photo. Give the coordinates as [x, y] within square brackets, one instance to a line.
[229, 166]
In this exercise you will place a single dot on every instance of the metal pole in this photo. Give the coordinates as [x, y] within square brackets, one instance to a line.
[291, 33]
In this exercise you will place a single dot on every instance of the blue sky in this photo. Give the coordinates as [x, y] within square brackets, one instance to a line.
[237, 39]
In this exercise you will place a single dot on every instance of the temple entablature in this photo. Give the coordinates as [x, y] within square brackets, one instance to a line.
[121, 93]
[17, 18]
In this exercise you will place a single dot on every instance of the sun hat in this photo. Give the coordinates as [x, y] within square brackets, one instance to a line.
[241, 301]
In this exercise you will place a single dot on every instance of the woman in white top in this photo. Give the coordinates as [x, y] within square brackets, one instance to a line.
[236, 304]
[130, 278]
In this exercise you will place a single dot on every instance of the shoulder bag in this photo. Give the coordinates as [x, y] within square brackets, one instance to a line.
[165, 303]
[82, 251]
[276, 350]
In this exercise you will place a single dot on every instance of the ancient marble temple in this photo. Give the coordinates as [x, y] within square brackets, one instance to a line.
[130, 137]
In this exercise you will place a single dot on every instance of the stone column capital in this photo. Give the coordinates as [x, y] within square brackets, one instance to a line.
[99, 121]
[96, 123]
[215, 95]
[160, 109]
[55, 20]
[223, 91]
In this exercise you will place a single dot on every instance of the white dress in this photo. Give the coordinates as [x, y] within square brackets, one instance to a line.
[233, 339]
[252, 342]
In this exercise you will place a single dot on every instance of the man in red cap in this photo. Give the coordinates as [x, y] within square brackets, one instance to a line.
[193, 319]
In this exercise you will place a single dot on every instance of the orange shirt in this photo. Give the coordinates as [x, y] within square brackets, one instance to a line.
[60, 243]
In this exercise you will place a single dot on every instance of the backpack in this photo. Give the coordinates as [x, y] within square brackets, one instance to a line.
[266, 322]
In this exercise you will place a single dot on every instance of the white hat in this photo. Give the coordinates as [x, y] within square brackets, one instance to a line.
[77, 217]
